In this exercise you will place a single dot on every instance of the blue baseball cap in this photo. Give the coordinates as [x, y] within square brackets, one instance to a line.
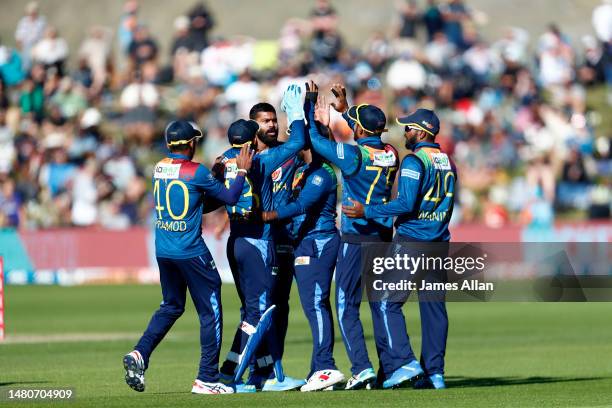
[242, 131]
[181, 132]
[369, 117]
[422, 119]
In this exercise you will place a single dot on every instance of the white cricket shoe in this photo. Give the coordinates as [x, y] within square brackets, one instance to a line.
[322, 380]
[134, 370]
[201, 387]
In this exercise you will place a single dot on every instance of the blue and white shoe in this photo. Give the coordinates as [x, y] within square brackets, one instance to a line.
[288, 384]
[435, 381]
[239, 387]
[410, 372]
[438, 381]
[207, 388]
[134, 370]
[364, 379]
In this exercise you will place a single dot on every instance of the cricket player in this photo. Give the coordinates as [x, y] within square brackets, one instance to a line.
[313, 211]
[265, 115]
[368, 171]
[423, 207]
[250, 247]
[180, 188]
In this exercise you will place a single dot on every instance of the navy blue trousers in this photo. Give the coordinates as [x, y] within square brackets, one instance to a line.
[253, 265]
[348, 301]
[200, 275]
[281, 291]
[392, 340]
[315, 260]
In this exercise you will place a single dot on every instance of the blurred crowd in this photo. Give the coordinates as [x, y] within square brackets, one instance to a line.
[79, 135]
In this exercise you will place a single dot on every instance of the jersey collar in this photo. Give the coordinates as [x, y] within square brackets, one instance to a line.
[178, 156]
[369, 140]
[426, 144]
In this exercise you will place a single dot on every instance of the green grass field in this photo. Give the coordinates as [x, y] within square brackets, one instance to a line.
[499, 354]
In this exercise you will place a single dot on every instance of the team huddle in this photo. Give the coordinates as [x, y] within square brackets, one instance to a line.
[280, 199]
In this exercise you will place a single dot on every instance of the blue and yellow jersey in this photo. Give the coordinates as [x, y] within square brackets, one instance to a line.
[368, 172]
[282, 193]
[313, 207]
[425, 197]
[180, 187]
[257, 193]
[248, 204]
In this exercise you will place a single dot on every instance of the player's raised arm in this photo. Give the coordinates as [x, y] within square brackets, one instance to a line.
[275, 156]
[343, 155]
[206, 180]
[411, 174]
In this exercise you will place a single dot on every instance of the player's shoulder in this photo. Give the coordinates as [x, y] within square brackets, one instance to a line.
[384, 155]
[412, 167]
[321, 176]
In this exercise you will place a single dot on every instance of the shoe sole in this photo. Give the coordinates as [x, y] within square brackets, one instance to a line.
[131, 367]
[404, 383]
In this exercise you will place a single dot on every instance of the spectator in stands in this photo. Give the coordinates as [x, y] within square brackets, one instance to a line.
[30, 30]
[433, 20]
[139, 100]
[143, 48]
[11, 70]
[410, 18]
[95, 50]
[455, 15]
[201, 22]
[51, 51]
[11, 210]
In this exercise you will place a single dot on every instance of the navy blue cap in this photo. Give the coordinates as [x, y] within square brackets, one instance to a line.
[369, 117]
[181, 132]
[422, 119]
[242, 131]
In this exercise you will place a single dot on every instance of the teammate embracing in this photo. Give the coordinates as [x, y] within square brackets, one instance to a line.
[368, 171]
[317, 240]
[423, 207]
[265, 115]
[250, 247]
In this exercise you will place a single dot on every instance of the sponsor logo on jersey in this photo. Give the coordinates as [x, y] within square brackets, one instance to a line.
[383, 159]
[302, 260]
[231, 170]
[167, 171]
[440, 161]
[277, 175]
[411, 174]
[317, 180]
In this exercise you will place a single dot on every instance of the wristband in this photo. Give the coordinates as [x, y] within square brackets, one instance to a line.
[239, 170]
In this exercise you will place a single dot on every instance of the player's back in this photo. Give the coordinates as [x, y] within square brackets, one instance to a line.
[179, 196]
[243, 215]
[429, 222]
[371, 183]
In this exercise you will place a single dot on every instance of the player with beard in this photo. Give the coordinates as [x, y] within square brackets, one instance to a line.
[265, 115]
[250, 247]
[423, 207]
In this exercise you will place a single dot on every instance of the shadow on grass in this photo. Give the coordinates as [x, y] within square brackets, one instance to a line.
[466, 382]
[5, 384]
